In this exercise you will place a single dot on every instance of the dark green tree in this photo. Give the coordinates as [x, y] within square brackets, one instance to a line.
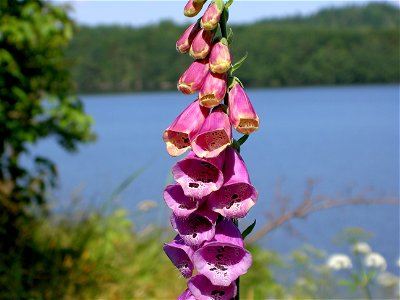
[35, 103]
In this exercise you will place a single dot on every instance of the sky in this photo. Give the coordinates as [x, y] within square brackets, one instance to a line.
[140, 13]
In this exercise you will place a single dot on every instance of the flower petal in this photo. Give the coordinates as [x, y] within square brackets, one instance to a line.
[196, 228]
[180, 255]
[223, 259]
[181, 204]
[214, 136]
[203, 289]
[235, 198]
[199, 176]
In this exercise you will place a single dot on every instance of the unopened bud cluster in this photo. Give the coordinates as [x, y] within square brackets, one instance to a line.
[212, 183]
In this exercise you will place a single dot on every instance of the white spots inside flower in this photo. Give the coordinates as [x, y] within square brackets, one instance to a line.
[199, 176]
[247, 126]
[220, 260]
[233, 196]
[183, 267]
[217, 294]
[189, 204]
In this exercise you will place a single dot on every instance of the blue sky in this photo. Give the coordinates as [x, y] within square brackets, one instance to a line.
[138, 13]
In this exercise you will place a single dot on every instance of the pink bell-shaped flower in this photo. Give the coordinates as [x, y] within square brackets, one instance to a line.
[197, 227]
[214, 136]
[193, 78]
[178, 135]
[241, 113]
[223, 259]
[201, 44]
[211, 17]
[201, 288]
[181, 205]
[199, 177]
[220, 58]
[213, 90]
[193, 7]
[181, 256]
[235, 198]
[186, 39]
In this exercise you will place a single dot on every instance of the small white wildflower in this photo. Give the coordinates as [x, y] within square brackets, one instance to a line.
[361, 248]
[387, 279]
[339, 262]
[375, 260]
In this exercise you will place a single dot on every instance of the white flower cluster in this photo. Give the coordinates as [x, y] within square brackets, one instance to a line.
[339, 262]
[375, 260]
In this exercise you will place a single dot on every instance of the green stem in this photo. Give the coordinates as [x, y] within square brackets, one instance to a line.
[364, 286]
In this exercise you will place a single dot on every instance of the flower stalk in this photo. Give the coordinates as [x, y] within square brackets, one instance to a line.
[213, 188]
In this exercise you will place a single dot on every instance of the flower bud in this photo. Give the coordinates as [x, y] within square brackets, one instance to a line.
[186, 39]
[193, 78]
[213, 90]
[192, 8]
[241, 113]
[212, 15]
[178, 135]
[214, 136]
[220, 58]
[201, 44]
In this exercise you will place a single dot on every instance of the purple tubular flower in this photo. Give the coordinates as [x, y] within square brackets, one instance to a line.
[181, 205]
[186, 295]
[235, 198]
[196, 228]
[193, 78]
[213, 90]
[241, 113]
[179, 134]
[186, 39]
[212, 15]
[223, 259]
[201, 44]
[192, 8]
[198, 176]
[220, 58]
[180, 255]
[214, 136]
[202, 289]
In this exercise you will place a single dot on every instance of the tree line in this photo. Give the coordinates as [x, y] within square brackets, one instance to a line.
[348, 45]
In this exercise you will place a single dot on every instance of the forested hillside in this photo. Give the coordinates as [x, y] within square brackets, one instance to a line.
[350, 45]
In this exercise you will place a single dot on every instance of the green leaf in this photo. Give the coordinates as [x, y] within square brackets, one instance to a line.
[239, 63]
[248, 230]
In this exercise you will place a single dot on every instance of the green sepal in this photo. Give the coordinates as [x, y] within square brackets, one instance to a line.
[220, 4]
[224, 41]
[248, 230]
[232, 80]
[243, 139]
[239, 63]
[229, 3]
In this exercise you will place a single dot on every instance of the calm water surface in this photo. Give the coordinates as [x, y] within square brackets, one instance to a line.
[346, 138]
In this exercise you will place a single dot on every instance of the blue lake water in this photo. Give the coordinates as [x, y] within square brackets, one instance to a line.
[346, 138]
